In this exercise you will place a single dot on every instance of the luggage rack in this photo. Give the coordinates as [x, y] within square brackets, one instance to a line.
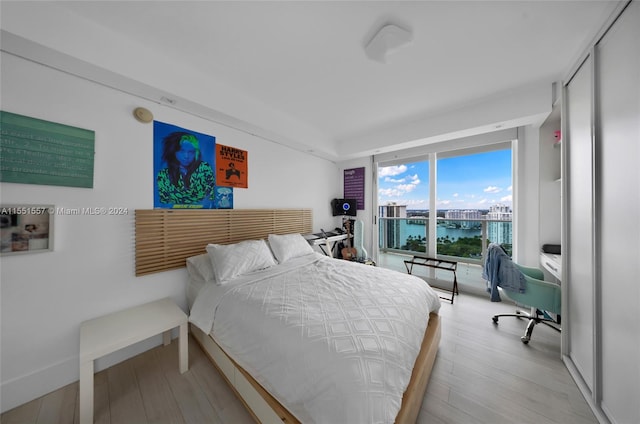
[436, 264]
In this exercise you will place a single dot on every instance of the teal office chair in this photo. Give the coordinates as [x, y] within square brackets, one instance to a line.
[541, 296]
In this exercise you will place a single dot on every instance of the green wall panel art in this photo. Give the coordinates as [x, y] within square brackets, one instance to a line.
[33, 151]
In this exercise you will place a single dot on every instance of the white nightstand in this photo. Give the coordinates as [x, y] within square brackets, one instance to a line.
[106, 334]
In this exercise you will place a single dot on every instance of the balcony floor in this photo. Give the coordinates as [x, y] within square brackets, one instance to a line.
[469, 275]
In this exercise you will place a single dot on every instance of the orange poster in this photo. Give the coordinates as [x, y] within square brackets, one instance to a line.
[231, 167]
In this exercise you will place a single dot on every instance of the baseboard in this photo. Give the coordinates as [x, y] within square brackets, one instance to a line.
[30, 386]
[35, 384]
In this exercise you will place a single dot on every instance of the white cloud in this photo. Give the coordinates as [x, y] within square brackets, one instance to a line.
[508, 198]
[390, 192]
[455, 195]
[403, 185]
[392, 170]
[510, 188]
[492, 189]
[393, 180]
[406, 188]
[414, 179]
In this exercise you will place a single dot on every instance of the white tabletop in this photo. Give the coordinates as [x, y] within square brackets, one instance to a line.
[106, 334]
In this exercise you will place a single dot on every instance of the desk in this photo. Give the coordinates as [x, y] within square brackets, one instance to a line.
[329, 242]
[106, 334]
[552, 263]
[436, 264]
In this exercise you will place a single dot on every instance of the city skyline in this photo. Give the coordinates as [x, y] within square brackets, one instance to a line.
[464, 182]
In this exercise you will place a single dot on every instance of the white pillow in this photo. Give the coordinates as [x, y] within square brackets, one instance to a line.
[289, 246]
[200, 269]
[232, 260]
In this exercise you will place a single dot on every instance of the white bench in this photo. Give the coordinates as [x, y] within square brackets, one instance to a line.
[106, 334]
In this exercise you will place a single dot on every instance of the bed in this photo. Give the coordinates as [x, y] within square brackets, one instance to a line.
[302, 337]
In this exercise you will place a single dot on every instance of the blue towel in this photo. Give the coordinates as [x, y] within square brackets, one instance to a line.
[500, 271]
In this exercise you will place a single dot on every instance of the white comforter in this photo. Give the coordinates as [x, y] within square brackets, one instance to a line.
[334, 341]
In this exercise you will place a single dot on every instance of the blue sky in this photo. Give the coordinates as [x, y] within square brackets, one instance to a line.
[464, 182]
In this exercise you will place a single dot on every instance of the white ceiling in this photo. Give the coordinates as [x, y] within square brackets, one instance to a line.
[306, 59]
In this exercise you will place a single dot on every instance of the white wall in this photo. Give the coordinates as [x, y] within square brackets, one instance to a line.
[45, 296]
[526, 199]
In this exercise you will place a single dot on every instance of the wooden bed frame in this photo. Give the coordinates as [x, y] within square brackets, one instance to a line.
[267, 410]
[165, 238]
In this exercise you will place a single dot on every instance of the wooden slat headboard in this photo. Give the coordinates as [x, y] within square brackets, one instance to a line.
[166, 237]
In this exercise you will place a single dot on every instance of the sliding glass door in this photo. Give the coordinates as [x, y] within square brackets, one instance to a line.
[474, 203]
[446, 204]
[403, 207]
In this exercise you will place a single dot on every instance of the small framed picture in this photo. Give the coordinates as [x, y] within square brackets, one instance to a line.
[26, 228]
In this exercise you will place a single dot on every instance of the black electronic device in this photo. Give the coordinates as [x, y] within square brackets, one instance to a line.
[554, 249]
[343, 207]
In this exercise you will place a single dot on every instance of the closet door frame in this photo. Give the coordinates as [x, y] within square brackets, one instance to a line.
[584, 370]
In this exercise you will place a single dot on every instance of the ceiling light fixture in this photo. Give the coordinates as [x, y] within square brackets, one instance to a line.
[387, 40]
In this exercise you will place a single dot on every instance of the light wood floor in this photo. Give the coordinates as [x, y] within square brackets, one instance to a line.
[483, 374]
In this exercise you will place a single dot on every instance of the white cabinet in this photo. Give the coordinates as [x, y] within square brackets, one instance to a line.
[601, 244]
[617, 223]
[578, 284]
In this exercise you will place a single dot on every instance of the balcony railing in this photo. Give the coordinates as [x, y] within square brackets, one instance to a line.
[466, 240]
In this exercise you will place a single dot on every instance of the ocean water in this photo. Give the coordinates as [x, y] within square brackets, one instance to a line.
[418, 230]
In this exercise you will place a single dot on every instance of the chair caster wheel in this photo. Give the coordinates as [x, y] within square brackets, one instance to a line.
[525, 340]
[495, 320]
